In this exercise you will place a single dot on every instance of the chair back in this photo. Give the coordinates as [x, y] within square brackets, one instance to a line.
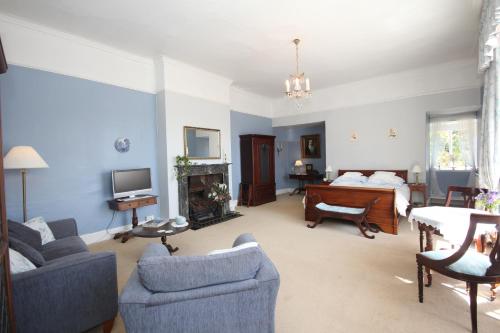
[468, 194]
[494, 269]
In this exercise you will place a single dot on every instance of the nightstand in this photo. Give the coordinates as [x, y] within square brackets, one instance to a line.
[420, 187]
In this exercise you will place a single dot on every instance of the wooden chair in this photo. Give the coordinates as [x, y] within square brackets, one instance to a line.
[457, 265]
[468, 193]
[355, 214]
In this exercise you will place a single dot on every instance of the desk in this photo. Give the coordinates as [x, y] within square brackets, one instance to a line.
[124, 205]
[302, 178]
[452, 223]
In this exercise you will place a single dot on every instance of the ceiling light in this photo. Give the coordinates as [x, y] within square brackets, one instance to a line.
[297, 86]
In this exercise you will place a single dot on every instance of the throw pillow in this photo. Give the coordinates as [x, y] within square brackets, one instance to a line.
[18, 263]
[25, 234]
[234, 249]
[39, 224]
[27, 251]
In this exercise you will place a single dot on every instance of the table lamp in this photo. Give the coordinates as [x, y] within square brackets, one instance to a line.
[298, 166]
[328, 172]
[23, 158]
[416, 170]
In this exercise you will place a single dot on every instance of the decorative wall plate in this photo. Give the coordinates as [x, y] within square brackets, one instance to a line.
[122, 145]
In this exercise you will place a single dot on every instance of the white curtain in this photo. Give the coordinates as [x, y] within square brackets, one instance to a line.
[489, 140]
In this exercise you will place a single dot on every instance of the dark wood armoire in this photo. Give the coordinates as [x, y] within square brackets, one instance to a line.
[6, 313]
[258, 185]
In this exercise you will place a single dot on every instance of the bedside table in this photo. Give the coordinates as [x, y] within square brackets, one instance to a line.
[420, 187]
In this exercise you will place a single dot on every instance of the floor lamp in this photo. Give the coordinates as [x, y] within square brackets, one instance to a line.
[23, 158]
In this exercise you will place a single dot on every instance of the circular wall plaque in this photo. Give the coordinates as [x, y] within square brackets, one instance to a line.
[122, 145]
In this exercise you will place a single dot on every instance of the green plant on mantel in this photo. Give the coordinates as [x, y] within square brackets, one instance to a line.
[183, 166]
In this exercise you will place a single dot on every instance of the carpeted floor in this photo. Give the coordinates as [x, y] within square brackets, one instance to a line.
[332, 279]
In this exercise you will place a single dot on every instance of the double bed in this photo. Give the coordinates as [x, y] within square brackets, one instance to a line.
[392, 200]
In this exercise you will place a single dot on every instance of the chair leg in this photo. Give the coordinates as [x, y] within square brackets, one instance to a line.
[420, 278]
[363, 229]
[493, 293]
[371, 228]
[473, 306]
[107, 326]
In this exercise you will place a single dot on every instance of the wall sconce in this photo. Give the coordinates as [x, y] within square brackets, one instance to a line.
[392, 132]
[279, 148]
[354, 136]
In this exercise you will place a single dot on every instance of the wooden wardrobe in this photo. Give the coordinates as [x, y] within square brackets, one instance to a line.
[258, 185]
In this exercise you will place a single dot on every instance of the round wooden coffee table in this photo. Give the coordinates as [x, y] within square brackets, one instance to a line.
[159, 232]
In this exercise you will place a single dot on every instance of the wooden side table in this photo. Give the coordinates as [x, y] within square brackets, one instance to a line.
[303, 178]
[418, 187]
[126, 204]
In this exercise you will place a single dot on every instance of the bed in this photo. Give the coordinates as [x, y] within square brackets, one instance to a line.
[385, 213]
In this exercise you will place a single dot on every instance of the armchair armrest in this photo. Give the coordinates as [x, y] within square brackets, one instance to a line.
[70, 294]
[63, 228]
[244, 238]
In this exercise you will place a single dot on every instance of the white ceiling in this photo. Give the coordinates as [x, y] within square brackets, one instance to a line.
[250, 41]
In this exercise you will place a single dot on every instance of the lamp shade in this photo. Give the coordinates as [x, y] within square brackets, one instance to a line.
[298, 163]
[329, 169]
[416, 169]
[23, 157]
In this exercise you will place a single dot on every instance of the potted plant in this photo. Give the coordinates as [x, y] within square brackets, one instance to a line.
[489, 201]
[183, 166]
[219, 193]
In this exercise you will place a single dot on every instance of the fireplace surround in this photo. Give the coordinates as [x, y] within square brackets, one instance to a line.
[194, 187]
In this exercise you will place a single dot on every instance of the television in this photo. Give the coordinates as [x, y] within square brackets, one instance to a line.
[131, 182]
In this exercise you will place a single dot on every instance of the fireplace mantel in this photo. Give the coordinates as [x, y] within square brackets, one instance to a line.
[197, 170]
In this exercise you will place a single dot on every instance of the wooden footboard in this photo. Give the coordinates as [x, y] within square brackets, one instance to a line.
[383, 213]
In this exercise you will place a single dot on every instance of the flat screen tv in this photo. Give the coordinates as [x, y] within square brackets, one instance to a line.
[131, 182]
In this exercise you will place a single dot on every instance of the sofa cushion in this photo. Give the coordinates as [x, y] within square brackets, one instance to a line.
[19, 263]
[169, 273]
[63, 247]
[25, 234]
[27, 251]
[39, 224]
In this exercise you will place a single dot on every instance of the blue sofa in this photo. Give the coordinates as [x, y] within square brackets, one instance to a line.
[220, 293]
[71, 290]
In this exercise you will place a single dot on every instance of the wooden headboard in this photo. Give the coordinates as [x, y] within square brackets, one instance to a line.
[400, 173]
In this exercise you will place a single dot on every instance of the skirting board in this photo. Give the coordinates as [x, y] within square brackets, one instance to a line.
[103, 235]
[284, 191]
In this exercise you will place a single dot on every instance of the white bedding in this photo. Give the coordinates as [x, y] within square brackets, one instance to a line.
[402, 193]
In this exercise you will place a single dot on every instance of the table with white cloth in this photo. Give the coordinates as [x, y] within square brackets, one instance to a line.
[452, 223]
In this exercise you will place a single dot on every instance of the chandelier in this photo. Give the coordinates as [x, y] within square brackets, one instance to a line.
[297, 86]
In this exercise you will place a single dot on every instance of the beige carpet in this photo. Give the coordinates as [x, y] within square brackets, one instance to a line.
[332, 279]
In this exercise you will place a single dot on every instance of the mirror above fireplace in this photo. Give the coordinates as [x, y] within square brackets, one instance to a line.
[201, 143]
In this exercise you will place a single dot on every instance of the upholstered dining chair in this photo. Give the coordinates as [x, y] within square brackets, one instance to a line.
[465, 264]
[468, 193]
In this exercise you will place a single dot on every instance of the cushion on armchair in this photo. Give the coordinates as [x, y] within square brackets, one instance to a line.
[27, 251]
[25, 234]
[168, 273]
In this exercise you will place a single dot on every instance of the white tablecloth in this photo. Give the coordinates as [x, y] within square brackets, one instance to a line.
[452, 222]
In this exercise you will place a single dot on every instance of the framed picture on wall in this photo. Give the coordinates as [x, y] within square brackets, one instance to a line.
[309, 168]
[310, 146]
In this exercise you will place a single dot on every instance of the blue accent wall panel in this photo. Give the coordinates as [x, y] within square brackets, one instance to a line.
[289, 138]
[73, 124]
[243, 123]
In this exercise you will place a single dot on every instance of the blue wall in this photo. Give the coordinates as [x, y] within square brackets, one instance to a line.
[242, 123]
[73, 124]
[289, 137]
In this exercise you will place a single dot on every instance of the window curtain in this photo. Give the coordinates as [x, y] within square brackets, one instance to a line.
[489, 140]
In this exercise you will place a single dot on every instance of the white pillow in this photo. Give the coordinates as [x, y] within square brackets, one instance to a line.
[19, 263]
[39, 224]
[352, 174]
[384, 179]
[388, 173]
[350, 179]
[234, 249]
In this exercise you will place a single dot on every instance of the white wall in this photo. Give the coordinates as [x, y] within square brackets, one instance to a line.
[446, 77]
[374, 149]
[35, 46]
[243, 101]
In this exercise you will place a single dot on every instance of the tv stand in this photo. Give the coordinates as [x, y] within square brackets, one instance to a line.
[131, 203]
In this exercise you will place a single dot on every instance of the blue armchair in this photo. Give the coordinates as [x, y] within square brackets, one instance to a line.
[71, 290]
[227, 292]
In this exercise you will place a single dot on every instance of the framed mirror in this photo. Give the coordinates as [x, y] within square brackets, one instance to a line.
[201, 143]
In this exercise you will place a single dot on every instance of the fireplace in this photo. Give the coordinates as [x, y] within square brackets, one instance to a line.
[194, 187]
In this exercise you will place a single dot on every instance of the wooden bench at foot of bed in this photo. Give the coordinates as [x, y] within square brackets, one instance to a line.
[383, 213]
